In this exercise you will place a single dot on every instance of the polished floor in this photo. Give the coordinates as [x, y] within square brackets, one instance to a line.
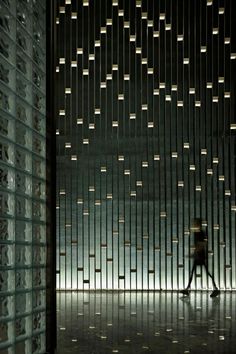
[140, 322]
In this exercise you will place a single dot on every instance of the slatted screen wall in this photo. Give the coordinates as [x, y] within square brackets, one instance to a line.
[145, 142]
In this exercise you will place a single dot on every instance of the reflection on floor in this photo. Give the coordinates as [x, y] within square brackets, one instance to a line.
[139, 322]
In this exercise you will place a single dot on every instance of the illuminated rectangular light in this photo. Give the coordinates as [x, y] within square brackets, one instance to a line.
[180, 183]
[62, 60]
[156, 157]
[168, 98]
[91, 189]
[74, 64]
[79, 50]
[109, 22]
[121, 13]
[180, 37]
[144, 107]
[103, 169]
[74, 15]
[103, 85]
[186, 61]
[80, 201]
[115, 67]
[215, 31]
[233, 56]
[144, 164]
[233, 126]
[132, 116]
[215, 160]
[57, 132]
[150, 124]
[227, 192]
[91, 126]
[192, 91]
[126, 77]
[132, 38]
[221, 80]
[203, 49]
[150, 71]
[115, 123]
[150, 23]
[198, 188]
[62, 9]
[180, 103]
[162, 16]
[168, 27]
[109, 77]
[144, 15]
[186, 145]
[174, 154]
[227, 40]
[215, 99]
[227, 95]
[62, 112]
[91, 56]
[209, 85]
[80, 121]
[73, 157]
[221, 10]
[139, 183]
[156, 34]
[121, 96]
[121, 158]
[138, 50]
[156, 92]
[126, 172]
[174, 88]
[192, 167]
[97, 111]
[68, 90]
[197, 103]
[57, 69]
[103, 30]
[126, 24]
[221, 178]
[209, 171]
[97, 43]
[67, 145]
[203, 151]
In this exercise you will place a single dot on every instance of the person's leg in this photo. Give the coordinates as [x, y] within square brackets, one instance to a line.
[191, 275]
[209, 274]
[216, 291]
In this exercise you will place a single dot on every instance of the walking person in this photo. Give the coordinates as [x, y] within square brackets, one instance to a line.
[200, 256]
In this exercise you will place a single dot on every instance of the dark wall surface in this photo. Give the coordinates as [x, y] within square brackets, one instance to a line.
[145, 142]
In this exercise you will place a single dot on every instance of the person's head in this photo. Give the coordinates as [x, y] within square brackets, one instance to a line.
[196, 224]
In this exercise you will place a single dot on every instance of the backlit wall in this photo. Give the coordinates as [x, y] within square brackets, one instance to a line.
[145, 130]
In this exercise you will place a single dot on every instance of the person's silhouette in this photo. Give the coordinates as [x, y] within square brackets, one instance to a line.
[200, 256]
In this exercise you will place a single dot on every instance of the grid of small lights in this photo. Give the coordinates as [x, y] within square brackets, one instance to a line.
[122, 93]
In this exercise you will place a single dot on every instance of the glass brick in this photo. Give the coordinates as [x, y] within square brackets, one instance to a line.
[6, 255]
[7, 280]
[6, 229]
[23, 279]
[6, 306]
[23, 231]
[23, 303]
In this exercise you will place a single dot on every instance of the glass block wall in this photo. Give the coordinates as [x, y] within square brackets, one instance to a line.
[145, 131]
[22, 177]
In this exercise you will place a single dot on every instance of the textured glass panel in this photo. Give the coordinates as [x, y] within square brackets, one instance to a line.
[6, 306]
[22, 197]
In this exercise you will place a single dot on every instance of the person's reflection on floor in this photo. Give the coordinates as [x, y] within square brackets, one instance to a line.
[200, 256]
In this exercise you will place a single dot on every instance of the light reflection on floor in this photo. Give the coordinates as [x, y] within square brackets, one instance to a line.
[139, 322]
